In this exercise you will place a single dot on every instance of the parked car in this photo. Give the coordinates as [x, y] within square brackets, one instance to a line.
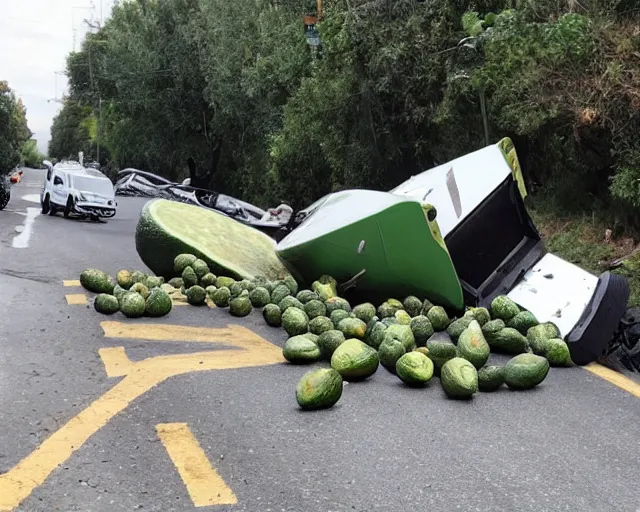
[73, 189]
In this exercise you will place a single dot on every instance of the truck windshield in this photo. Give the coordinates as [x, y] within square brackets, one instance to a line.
[93, 185]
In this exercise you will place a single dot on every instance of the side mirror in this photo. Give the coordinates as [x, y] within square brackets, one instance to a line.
[47, 164]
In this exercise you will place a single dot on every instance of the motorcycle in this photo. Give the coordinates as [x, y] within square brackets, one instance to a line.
[6, 181]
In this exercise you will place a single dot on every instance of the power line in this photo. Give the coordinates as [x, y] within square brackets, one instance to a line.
[24, 20]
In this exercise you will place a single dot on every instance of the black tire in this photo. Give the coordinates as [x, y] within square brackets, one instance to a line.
[5, 195]
[45, 205]
[593, 334]
[68, 207]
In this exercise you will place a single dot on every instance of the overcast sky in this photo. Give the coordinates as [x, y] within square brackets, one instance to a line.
[35, 37]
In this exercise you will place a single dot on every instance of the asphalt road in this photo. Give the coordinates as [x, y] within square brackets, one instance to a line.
[573, 444]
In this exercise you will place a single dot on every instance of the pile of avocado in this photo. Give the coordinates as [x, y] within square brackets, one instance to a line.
[413, 339]
[135, 294]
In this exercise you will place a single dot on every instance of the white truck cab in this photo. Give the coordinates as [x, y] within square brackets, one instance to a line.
[73, 189]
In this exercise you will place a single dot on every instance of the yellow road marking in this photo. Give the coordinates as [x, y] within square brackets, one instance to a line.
[139, 377]
[203, 483]
[71, 282]
[76, 299]
[232, 334]
[615, 378]
[116, 362]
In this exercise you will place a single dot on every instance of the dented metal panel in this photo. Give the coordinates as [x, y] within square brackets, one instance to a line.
[557, 291]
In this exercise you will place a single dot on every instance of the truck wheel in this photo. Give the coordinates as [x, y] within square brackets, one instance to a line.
[593, 334]
[45, 205]
[68, 207]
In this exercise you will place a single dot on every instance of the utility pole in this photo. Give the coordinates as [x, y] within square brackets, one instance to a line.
[485, 119]
[99, 127]
[94, 84]
[73, 23]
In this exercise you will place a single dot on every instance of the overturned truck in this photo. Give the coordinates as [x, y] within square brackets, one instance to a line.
[460, 235]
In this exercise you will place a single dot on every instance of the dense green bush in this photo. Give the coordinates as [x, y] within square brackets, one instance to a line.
[70, 132]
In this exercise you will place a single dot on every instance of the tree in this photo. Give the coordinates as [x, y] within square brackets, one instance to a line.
[14, 131]
[234, 89]
[367, 115]
[30, 156]
[143, 68]
[70, 133]
[181, 79]
[253, 57]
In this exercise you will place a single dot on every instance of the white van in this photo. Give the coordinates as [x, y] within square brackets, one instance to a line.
[73, 189]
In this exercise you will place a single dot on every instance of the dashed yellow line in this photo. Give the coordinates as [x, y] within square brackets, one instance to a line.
[615, 378]
[204, 485]
[71, 283]
[76, 299]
